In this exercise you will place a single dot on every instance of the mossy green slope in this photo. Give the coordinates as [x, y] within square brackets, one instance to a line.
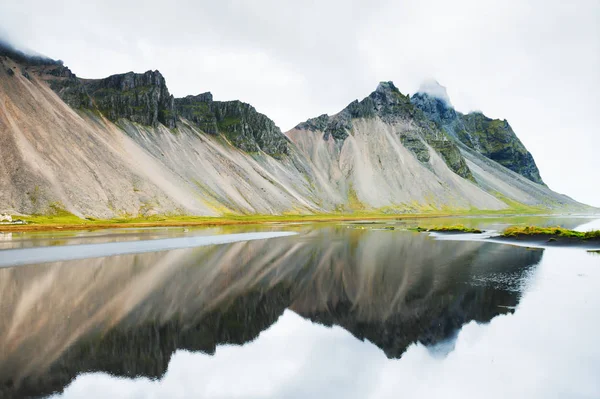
[495, 139]
[239, 122]
[492, 138]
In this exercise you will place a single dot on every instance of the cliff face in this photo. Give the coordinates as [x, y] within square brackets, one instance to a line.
[492, 138]
[495, 139]
[141, 98]
[145, 99]
[243, 126]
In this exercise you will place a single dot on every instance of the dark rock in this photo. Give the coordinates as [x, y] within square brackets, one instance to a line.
[452, 156]
[435, 109]
[390, 104]
[315, 124]
[68, 87]
[141, 98]
[145, 99]
[493, 138]
[198, 110]
[239, 122]
[25, 74]
[416, 145]
[338, 127]
[10, 72]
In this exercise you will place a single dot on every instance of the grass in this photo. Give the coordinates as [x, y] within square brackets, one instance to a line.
[72, 222]
[553, 232]
[457, 228]
[61, 219]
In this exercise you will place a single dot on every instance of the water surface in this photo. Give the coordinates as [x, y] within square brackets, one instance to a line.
[340, 310]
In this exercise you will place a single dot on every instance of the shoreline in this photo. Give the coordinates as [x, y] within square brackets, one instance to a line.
[70, 223]
[549, 241]
[204, 221]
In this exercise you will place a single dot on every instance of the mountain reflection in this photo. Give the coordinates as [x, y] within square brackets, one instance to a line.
[126, 315]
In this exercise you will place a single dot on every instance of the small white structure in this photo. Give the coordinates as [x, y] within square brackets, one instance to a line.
[5, 217]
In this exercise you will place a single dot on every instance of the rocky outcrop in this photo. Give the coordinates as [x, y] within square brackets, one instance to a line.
[141, 98]
[138, 97]
[239, 122]
[388, 104]
[145, 99]
[70, 88]
[492, 138]
[496, 140]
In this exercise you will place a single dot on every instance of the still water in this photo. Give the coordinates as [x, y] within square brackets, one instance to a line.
[339, 310]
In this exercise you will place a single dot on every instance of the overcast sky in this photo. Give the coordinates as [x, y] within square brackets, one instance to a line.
[535, 63]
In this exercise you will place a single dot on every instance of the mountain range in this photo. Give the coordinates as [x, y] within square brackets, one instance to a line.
[124, 146]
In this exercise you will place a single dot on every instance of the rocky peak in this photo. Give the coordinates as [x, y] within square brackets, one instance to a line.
[436, 109]
[315, 124]
[387, 94]
[389, 103]
[391, 106]
[432, 98]
[386, 87]
[131, 80]
[206, 97]
[239, 122]
[141, 98]
[492, 138]
[386, 102]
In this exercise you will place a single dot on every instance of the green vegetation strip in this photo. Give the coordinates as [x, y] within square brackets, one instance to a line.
[555, 232]
[66, 221]
[458, 228]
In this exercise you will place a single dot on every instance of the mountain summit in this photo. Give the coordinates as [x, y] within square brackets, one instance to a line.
[123, 145]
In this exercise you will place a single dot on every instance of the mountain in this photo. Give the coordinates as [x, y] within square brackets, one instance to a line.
[123, 145]
[391, 149]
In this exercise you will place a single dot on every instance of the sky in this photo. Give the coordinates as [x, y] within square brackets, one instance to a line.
[535, 63]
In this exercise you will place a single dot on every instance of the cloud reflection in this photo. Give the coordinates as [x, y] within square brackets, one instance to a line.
[535, 353]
